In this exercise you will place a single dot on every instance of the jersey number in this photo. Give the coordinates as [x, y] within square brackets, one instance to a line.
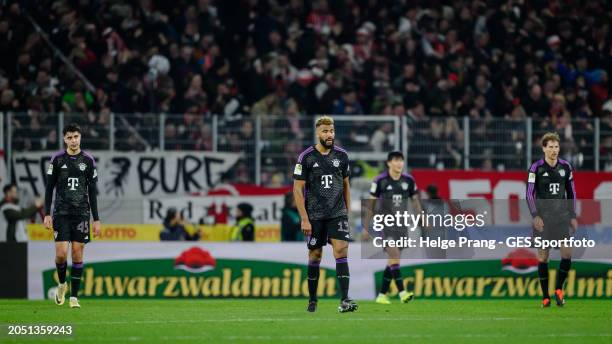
[83, 227]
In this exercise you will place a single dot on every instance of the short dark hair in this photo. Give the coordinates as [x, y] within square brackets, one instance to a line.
[395, 154]
[71, 128]
[8, 187]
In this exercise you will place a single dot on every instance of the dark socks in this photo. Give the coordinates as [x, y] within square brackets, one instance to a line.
[397, 277]
[543, 273]
[61, 271]
[342, 272]
[564, 268]
[313, 279]
[75, 278]
[386, 282]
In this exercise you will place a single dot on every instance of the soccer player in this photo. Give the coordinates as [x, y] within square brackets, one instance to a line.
[551, 179]
[73, 175]
[322, 196]
[397, 187]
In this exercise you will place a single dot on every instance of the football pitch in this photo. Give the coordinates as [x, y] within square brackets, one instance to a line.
[286, 321]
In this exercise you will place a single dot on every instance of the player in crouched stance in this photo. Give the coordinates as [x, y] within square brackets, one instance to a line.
[322, 196]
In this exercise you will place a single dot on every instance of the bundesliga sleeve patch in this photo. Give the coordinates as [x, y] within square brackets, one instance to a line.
[298, 169]
[95, 173]
[571, 177]
[532, 177]
[50, 169]
[373, 188]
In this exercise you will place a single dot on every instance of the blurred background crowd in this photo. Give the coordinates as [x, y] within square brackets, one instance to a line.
[434, 62]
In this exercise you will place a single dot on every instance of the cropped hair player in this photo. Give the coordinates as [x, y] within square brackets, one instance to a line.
[72, 175]
[322, 195]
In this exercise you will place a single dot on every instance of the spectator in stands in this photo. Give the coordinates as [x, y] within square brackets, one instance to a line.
[204, 138]
[381, 140]
[535, 104]
[171, 141]
[175, 228]
[330, 58]
[348, 104]
[195, 93]
[12, 216]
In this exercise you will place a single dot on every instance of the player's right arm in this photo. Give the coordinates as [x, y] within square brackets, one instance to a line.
[52, 173]
[538, 223]
[300, 174]
[298, 194]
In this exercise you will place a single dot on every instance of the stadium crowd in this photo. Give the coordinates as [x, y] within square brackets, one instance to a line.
[433, 61]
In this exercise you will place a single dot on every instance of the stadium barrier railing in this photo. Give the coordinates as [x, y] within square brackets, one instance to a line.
[271, 143]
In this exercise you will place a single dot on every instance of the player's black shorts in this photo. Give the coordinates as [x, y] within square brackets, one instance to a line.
[324, 230]
[554, 229]
[394, 233]
[71, 228]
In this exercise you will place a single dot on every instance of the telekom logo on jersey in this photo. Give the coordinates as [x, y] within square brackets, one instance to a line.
[73, 182]
[553, 188]
[326, 181]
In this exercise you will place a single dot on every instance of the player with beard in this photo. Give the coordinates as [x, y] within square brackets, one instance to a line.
[322, 196]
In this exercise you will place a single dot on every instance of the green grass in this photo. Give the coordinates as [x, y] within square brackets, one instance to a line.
[284, 321]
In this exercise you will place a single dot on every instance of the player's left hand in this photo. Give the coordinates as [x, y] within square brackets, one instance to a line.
[48, 220]
[96, 228]
[573, 226]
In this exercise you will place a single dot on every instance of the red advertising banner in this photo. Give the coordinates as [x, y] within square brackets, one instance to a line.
[591, 187]
[504, 185]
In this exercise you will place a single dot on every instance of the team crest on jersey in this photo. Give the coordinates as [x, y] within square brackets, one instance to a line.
[562, 173]
[82, 166]
[313, 241]
[336, 162]
[404, 186]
